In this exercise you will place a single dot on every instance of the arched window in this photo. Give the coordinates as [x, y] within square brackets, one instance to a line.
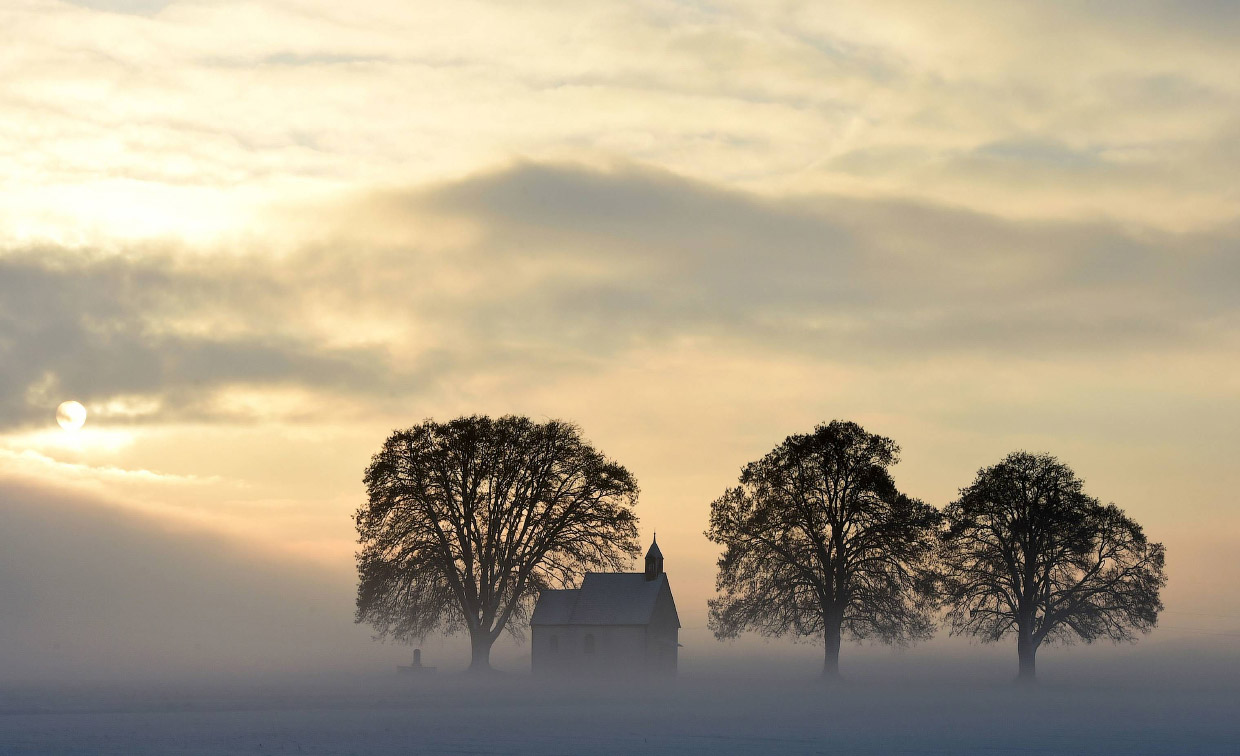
[589, 644]
[554, 643]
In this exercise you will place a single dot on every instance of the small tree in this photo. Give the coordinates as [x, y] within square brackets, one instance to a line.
[1026, 552]
[818, 542]
[467, 520]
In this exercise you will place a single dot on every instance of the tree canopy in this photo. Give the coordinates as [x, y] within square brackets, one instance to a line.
[1027, 552]
[467, 520]
[819, 542]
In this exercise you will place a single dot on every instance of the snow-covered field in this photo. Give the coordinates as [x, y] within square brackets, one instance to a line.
[448, 714]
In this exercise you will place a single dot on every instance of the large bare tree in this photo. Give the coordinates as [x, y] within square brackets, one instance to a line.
[1027, 553]
[466, 521]
[819, 542]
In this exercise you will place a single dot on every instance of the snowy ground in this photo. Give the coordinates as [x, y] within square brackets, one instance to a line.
[448, 714]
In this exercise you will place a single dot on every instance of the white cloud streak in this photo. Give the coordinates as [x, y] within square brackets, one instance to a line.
[148, 124]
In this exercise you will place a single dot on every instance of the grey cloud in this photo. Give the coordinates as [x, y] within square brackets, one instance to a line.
[129, 7]
[294, 59]
[1162, 91]
[1217, 20]
[96, 327]
[573, 268]
[90, 591]
[906, 278]
[658, 219]
[1038, 151]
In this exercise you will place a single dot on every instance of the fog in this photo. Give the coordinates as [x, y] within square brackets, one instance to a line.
[123, 634]
[453, 714]
[94, 592]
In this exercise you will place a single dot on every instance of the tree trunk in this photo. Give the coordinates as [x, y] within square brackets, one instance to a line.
[1025, 650]
[480, 641]
[831, 659]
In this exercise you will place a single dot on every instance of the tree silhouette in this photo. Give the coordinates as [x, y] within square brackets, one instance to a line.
[818, 541]
[467, 520]
[1027, 552]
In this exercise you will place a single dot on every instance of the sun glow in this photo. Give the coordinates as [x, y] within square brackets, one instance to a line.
[71, 415]
[105, 440]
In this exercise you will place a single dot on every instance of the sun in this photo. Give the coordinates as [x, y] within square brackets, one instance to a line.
[71, 415]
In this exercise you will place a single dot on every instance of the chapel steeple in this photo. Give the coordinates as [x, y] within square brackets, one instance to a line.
[654, 560]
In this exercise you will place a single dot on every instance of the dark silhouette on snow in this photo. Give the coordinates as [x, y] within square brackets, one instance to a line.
[818, 541]
[618, 623]
[1026, 552]
[466, 521]
[417, 668]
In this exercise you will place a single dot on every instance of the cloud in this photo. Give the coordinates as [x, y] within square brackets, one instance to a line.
[134, 7]
[826, 276]
[540, 268]
[123, 126]
[91, 591]
[99, 326]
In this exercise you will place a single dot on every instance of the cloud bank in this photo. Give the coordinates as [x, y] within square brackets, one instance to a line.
[562, 267]
[92, 592]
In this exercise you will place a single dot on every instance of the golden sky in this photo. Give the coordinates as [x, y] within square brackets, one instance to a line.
[254, 237]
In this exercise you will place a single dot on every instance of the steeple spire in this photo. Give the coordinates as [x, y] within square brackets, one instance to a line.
[654, 560]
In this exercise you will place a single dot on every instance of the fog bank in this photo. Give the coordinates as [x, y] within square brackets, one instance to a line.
[93, 592]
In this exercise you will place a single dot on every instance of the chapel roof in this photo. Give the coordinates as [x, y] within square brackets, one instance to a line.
[604, 598]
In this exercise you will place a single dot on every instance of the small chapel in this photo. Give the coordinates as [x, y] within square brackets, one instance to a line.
[615, 623]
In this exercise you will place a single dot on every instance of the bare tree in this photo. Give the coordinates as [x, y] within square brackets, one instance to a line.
[467, 520]
[818, 542]
[1026, 552]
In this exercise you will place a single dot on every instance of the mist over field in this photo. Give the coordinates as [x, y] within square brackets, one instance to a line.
[182, 643]
[388, 715]
[97, 594]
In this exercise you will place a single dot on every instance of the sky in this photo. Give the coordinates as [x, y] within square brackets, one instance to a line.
[253, 238]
